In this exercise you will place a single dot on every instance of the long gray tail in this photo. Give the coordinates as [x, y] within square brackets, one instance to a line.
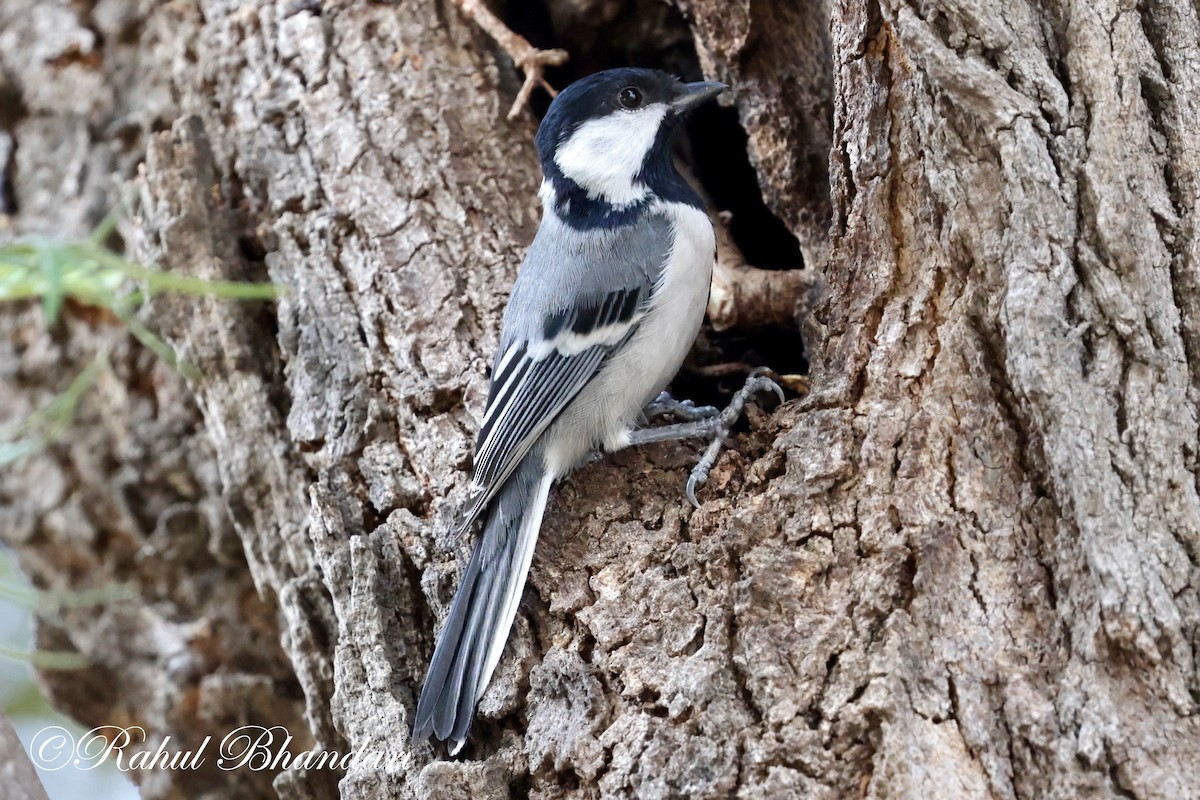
[484, 607]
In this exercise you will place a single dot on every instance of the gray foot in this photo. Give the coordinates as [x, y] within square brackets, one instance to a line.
[666, 406]
[713, 427]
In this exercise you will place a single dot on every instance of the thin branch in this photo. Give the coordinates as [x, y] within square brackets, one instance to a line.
[746, 297]
[531, 60]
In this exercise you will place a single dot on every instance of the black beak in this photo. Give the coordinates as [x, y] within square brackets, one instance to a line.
[693, 94]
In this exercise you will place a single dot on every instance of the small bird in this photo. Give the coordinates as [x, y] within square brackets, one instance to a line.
[605, 307]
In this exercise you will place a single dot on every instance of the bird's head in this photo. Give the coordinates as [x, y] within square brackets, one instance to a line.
[608, 136]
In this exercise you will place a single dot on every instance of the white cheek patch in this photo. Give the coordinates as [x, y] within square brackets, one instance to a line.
[605, 155]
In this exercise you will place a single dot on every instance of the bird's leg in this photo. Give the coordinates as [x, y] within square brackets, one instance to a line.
[663, 406]
[715, 427]
[667, 406]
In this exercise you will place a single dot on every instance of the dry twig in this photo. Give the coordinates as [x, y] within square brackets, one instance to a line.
[531, 60]
[747, 297]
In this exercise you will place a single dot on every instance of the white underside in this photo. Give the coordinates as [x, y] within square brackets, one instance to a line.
[608, 408]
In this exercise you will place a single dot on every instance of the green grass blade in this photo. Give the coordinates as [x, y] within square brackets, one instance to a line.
[51, 265]
[100, 235]
[46, 659]
[48, 423]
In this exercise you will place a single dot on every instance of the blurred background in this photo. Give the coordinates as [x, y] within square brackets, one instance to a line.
[24, 704]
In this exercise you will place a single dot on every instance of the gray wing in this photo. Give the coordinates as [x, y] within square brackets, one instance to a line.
[580, 295]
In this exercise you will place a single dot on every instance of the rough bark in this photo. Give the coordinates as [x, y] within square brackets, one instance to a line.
[965, 566]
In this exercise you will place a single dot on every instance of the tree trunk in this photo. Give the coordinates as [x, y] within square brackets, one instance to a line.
[18, 778]
[964, 566]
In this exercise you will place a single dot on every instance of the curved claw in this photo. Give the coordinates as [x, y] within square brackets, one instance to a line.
[691, 491]
[758, 376]
[776, 389]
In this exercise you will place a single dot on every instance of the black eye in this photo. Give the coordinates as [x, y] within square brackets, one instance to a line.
[630, 97]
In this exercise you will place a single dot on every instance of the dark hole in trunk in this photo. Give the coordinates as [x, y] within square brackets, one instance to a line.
[649, 33]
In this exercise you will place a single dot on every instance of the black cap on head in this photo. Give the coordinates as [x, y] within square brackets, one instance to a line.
[626, 88]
